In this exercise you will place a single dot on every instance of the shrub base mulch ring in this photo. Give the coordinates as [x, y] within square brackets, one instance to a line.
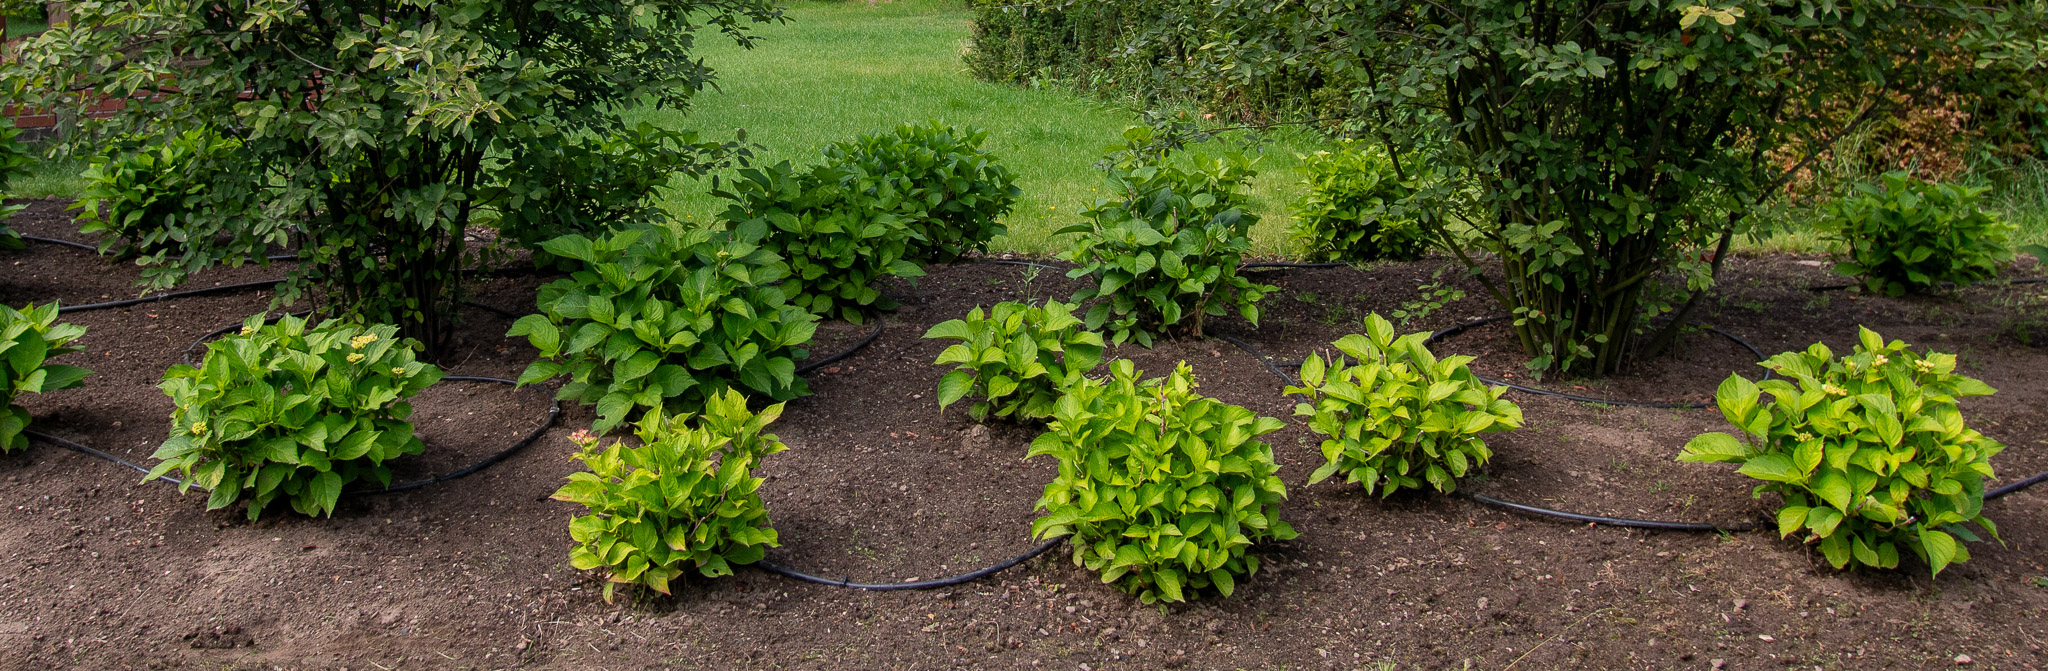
[98, 570]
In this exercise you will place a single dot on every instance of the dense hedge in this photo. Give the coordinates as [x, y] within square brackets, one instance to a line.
[1149, 50]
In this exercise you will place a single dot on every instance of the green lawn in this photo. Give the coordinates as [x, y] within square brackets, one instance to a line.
[844, 68]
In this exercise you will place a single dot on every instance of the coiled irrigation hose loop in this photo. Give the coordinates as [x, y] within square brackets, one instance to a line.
[96, 250]
[60, 243]
[921, 584]
[864, 342]
[1439, 336]
[90, 452]
[210, 335]
[152, 298]
[1510, 505]
[554, 412]
[1608, 521]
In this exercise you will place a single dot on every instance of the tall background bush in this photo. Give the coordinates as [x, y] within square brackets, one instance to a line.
[374, 132]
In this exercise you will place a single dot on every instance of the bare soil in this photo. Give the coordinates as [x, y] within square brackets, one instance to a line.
[99, 570]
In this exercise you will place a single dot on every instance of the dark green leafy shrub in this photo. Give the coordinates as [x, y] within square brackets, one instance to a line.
[593, 184]
[143, 195]
[1348, 214]
[938, 179]
[29, 338]
[1396, 416]
[14, 162]
[662, 318]
[1163, 251]
[1162, 489]
[1016, 360]
[685, 498]
[1909, 235]
[288, 411]
[1868, 451]
[836, 247]
[376, 134]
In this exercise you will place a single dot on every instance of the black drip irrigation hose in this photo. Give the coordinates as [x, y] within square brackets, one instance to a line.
[1600, 519]
[1438, 336]
[2016, 487]
[1518, 507]
[152, 298]
[554, 412]
[90, 452]
[864, 342]
[60, 243]
[224, 329]
[96, 250]
[1608, 521]
[921, 584]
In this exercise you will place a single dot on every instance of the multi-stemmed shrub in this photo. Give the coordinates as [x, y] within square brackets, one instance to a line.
[938, 179]
[29, 338]
[1163, 250]
[1396, 416]
[1595, 159]
[1162, 490]
[1349, 213]
[142, 195]
[660, 318]
[836, 246]
[1908, 235]
[685, 498]
[1869, 451]
[377, 134]
[1016, 360]
[283, 410]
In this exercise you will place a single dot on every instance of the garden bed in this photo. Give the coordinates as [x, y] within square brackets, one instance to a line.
[98, 570]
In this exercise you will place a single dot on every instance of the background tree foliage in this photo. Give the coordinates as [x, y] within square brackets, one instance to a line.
[374, 133]
[1589, 160]
[1603, 154]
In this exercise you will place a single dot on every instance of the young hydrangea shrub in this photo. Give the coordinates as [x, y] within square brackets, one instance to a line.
[838, 247]
[1350, 210]
[287, 411]
[29, 338]
[1909, 235]
[938, 179]
[1015, 360]
[1869, 451]
[15, 159]
[684, 499]
[661, 318]
[1396, 416]
[145, 195]
[1162, 490]
[1163, 251]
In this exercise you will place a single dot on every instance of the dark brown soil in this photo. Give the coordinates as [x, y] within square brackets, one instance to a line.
[98, 570]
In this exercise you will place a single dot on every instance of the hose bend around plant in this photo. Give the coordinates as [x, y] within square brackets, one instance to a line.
[921, 584]
[1510, 505]
[554, 412]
